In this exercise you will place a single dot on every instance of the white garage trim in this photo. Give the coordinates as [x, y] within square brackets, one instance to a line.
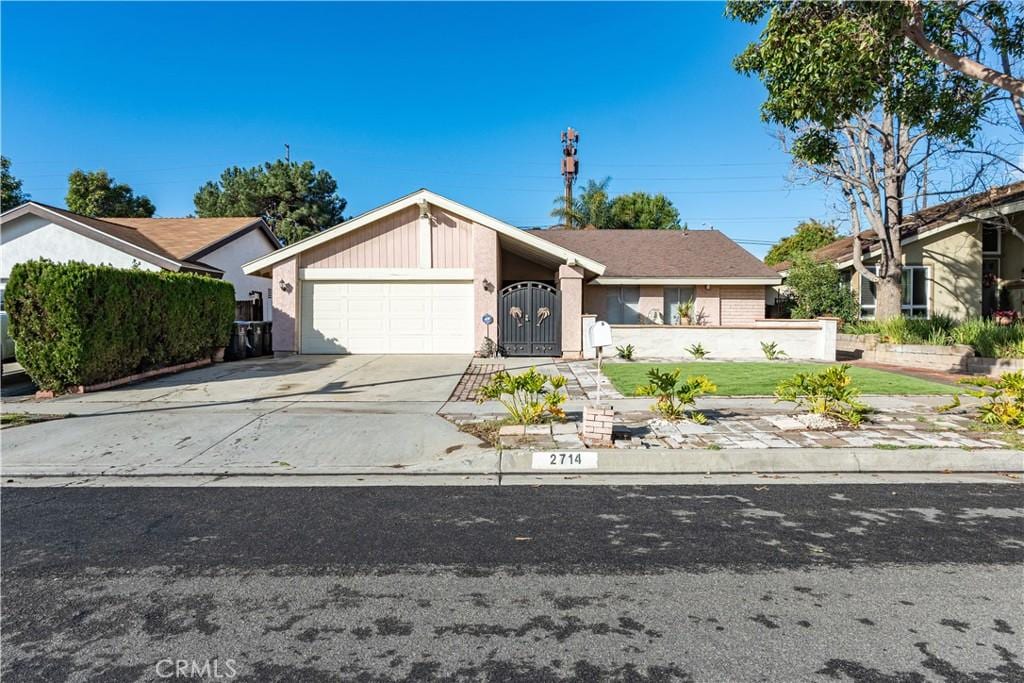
[388, 317]
[423, 274]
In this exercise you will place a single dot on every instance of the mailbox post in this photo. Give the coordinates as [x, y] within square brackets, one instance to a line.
[600, 337]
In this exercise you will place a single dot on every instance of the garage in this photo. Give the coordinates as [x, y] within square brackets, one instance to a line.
[387, 317]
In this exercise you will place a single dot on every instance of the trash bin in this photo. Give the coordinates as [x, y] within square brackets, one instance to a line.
[238, 346]
[268, 338]
[255, 337]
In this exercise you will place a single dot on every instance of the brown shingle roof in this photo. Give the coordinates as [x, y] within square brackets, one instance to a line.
[182, 237]
[183, 240]
[661, 253]
[922, 221]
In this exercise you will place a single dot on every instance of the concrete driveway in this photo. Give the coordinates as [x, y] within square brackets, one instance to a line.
[303, 414]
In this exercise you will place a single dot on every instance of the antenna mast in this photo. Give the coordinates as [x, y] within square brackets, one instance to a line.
[570, 167]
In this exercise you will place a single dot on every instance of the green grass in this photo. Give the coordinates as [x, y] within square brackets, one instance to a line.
[761, 378]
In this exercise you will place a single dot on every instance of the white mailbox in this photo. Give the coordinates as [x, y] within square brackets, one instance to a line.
[600, 334]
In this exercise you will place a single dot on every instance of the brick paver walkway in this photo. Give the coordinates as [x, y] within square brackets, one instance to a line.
[475, 377]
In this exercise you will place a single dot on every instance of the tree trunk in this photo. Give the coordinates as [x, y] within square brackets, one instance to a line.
[888, 296]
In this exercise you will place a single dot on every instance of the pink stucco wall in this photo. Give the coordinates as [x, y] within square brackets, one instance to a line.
[570, 284]
[515, 267]
[391, 242]
[714, 305]
[486, 266]
[285, 304]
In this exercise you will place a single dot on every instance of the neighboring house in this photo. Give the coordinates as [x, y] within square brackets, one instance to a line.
[423, 273]
[209, 246]
[956, 257]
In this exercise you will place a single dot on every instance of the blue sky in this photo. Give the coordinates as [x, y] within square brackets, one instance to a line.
[465, 99]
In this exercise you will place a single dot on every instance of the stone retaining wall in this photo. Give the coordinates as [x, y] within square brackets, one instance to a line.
[956, 358]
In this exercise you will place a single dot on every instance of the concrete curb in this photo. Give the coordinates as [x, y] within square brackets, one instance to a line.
[610, 462]
[783, 461]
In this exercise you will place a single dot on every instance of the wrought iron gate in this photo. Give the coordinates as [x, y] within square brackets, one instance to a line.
[530, 320]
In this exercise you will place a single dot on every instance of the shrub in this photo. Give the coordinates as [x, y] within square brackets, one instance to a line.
[985, 336]
[772, 351]
[1004, 399]
[817, 289]
[528, 397]
[77, 323]
[625, 352]
[830, 393]
[673, 396]
[698, 351]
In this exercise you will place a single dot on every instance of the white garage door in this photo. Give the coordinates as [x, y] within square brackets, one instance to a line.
[387, 317]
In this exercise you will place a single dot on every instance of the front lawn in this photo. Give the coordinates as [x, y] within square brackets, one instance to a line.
[760, 378]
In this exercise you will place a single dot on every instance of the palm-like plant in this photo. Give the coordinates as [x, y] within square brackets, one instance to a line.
[591, 207]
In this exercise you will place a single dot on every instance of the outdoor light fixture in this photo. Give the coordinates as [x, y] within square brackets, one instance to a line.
[283, 285]
[488, 285]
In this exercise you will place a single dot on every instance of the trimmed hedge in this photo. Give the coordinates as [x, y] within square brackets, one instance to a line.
[76, 323]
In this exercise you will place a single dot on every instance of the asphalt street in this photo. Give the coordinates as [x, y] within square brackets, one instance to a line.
[759, 582]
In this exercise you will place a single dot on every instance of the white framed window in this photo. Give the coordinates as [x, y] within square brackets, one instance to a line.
[622, 306]
[991, 240]
[915, 299]
[673, 296]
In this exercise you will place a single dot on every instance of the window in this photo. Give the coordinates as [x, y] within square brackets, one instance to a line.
[673, 296]
[623, 305]
[915, 293]
[991, 240]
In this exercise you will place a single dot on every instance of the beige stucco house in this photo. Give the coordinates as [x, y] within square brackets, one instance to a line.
[425, 274]
[956, 257]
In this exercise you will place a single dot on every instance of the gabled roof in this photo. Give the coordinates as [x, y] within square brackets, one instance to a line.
[664, 255]
[189, 237]
[998, 200]
[170, 243]
[525, 236]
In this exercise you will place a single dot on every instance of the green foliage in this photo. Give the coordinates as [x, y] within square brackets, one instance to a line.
[829, 392]
[1004, 399]
[817, 289]
[94, 193]
[988, 338]
[625, 352]
[293, 198]
[644, 212]
[594, 207]
[808, 236]
[684, 309]
[697, 351]
[772, 351]
[76, 323]
[11, 194]
[673, 395]
[825, 62]
[936, 330]
[528, 397]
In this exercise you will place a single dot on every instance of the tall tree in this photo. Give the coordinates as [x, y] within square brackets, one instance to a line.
[12, 195]
[644, 211]
[808, 236]
[985, 30]
[595, 208]
[293, 197]
[863, 113]
[94, 193]
[590, 208]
